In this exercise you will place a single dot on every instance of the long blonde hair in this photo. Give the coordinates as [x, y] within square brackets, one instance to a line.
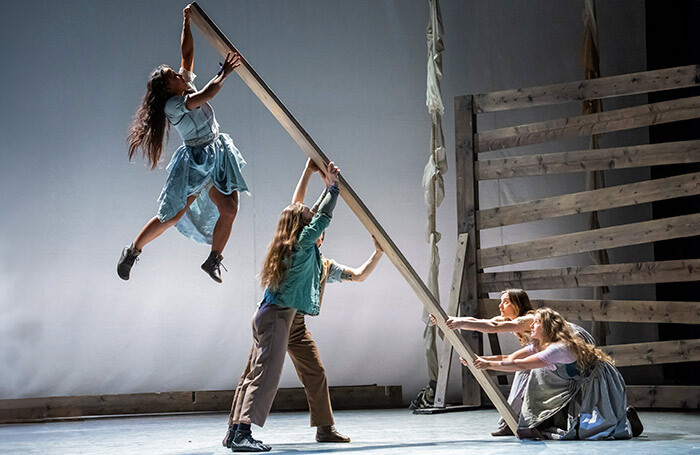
[289, 227]
[556, 329]
[521, 300]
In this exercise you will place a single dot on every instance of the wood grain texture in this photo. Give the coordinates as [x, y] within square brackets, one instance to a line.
[452, 309]
[654, 353]
[613, 310]
[593, 275]
[592, 240]
[467, 203]
[587, 125]
[604, 87]
[588, 201]
[664, 396]
[590, 160]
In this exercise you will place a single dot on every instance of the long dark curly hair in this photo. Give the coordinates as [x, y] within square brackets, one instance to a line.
[150, 124]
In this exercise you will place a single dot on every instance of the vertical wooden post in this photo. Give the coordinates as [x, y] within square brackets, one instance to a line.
[452, 309]
[467, 204]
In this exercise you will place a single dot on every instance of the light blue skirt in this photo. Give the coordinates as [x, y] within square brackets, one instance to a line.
[193, 170]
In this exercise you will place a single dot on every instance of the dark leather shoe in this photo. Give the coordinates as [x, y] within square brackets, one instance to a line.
[503, 431]
[243, 442]
[635, 424]
[129, 256]
[213, 266]
[328, 433]
[230, 433]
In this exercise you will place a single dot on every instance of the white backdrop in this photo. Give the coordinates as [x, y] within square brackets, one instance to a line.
[353, 74]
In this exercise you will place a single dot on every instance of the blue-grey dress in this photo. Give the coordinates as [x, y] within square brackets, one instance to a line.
[521, 378]
[206, 158]
[566, 404]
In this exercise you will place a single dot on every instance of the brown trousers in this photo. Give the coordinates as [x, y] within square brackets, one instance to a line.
[258, 385]
[307, 362]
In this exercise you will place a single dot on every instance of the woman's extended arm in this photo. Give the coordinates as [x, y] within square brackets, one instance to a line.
[522, 359]
[196, 99]
[186, 41]
[521, 324]
[363, 271]
[303, 183]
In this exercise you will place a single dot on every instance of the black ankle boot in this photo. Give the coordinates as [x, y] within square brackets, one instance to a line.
[243, 441]
[635, 423]
[130, 254]
[213, 266]
[230, 433]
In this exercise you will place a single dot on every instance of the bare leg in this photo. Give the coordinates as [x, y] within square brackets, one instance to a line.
[155, 227]
[228, 208]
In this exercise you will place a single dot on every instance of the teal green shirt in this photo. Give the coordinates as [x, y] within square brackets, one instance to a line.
[301, 285]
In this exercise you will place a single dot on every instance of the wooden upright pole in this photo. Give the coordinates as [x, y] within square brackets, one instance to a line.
[311, 149]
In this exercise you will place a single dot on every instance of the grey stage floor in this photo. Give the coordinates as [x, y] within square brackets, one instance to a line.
[373, 432]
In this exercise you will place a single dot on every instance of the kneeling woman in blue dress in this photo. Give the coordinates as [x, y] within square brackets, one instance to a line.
[573, 390]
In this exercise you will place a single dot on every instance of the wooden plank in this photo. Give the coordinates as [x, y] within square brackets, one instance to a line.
[613, 310]
[589, 201]
[590, 160]
[287, 399]
[467, 203]
[311, 149]
[344, 397]
[592, 240]
[32, 409]
[654, 353]
[604, 87]
[587, 125]
[452, 308]
[664, 396]
[593, 275]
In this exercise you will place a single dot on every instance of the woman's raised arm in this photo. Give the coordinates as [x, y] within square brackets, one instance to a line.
[186, 41]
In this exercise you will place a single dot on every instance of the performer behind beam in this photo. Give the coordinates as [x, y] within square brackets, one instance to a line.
[291, 276]
[301, 347]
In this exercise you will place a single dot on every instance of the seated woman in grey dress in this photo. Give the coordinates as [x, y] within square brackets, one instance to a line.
[573, 390]
[516, 316]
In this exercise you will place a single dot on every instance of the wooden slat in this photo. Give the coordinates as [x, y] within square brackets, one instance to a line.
[287, 399]
[587, 125]
[588, 201]
[223, 45]
[590, 160]
[343, 397]
[613, 310]
[592, 240]
[654, 353]
[593, 275]
[32, 409]
[452, 307]
[467, 202]
[604, 87]
[664, 396]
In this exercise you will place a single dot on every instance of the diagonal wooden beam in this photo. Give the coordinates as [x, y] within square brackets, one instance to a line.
[311, 149]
